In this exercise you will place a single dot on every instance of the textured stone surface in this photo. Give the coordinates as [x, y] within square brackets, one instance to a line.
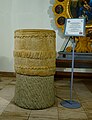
[35, 52]
[34, 92]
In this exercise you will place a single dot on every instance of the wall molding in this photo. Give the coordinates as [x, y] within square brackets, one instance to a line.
[79, 75]
[7, 74]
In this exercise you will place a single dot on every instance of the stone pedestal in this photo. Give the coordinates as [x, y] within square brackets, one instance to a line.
[34, 92]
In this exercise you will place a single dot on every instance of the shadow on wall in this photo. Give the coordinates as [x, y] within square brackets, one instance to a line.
[53, 25]
[6, 64]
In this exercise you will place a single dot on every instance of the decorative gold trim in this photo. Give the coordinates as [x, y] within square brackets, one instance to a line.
[68, 9]
[66, 12]
[84, 44]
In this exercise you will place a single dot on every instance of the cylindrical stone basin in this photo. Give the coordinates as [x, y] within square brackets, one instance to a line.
[34, 63]
[34, 52]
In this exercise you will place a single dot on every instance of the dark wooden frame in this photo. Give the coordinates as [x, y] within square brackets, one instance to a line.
[61, 63]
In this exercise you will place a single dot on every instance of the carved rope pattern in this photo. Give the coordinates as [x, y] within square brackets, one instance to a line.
[34, 54]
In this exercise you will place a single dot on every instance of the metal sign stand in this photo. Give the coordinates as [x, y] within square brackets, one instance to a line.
[70, 103]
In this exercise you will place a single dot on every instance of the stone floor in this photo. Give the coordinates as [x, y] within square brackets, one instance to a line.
[82, 92]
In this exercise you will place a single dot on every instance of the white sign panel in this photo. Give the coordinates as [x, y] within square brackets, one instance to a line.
[75, 27]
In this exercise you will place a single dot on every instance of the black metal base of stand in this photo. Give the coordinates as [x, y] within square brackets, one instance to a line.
[70, 104]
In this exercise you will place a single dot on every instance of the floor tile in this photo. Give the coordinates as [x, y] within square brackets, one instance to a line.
[87, 105]
[3, 104]
[3, 83]
[83, 93]
[62, 83]
[13, 109]
[41, 118]
[72, 114]
[7, 92]
[89, 114]
[64, 93]
[5, 117]
[13, 112]
[46, 114]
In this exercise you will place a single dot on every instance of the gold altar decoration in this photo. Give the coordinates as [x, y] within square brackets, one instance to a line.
[63, 9]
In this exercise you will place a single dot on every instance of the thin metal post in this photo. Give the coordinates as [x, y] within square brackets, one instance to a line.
[71, 103]
[72, 69]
